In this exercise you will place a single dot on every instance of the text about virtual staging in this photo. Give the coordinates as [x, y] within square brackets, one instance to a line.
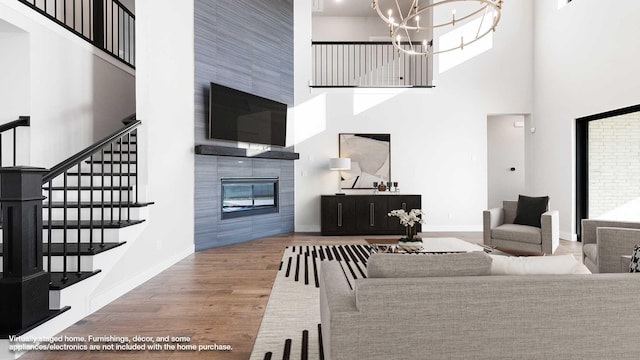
[111, 343]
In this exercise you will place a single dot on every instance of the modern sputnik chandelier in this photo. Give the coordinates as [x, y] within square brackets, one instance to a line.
[405, 27]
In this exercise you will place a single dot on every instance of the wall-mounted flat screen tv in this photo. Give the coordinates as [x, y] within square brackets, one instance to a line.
[239, 116]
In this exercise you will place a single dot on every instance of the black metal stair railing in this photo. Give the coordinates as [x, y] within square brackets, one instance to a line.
[107, 24]
[12, 126]
[111, 160]
[368, 64]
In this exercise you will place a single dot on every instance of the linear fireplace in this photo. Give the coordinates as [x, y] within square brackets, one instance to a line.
[249, 196]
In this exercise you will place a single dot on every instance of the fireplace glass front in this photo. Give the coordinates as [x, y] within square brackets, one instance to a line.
[249, 196]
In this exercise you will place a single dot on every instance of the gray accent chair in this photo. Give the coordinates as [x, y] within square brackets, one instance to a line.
[605, 242]
[499, 230]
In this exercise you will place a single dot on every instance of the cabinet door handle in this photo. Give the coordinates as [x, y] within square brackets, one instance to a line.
[404, 206]
[372, 210]
[339, 214]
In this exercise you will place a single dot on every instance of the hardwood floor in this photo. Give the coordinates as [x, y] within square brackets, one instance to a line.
[217, 296]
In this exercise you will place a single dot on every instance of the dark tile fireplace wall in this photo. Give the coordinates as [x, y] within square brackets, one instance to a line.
[246, 45]
[210, 229]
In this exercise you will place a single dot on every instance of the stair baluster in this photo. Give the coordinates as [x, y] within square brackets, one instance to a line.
[135, 163]
[79, 217]
[102, 197]
[90, 202]
[64, 229]
[49, 240]
[120, 180]
[128, 175]
[111, 201]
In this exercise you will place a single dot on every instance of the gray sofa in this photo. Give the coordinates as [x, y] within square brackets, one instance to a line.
[607, 245]
[478, 316]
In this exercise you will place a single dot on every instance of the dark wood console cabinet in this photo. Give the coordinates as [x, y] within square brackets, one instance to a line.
[364, 214]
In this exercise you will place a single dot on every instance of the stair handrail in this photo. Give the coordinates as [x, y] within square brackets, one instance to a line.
[89, 151]
[22, 121]
[12, 125]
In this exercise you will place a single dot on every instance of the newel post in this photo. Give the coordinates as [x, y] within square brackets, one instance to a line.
[24, 286]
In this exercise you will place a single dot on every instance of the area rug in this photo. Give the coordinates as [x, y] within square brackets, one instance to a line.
[290, 327]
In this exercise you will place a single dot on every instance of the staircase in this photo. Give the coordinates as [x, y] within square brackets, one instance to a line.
[90, 213]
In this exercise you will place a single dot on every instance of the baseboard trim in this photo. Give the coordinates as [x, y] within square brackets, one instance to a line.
[453, 228]
[104, 298]
[568, 236]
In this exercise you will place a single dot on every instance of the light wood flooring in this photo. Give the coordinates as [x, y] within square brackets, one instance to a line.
[213, 296]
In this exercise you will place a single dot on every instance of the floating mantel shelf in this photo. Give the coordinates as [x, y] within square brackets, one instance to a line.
[249, 153]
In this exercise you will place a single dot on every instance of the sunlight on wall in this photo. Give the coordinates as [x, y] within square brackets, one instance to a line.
[625, 212]
[452, 38]
[309, 119]
[365, 99]
[562, 3]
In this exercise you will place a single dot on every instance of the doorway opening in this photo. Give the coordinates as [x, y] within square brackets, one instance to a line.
[505, 158]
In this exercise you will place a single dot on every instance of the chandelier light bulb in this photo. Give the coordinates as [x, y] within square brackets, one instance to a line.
[410, 13]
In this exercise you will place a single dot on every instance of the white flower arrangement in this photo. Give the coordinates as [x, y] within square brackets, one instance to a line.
[408, 220]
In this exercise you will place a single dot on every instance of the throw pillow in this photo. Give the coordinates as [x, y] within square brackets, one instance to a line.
[533, 265]
[530, 209]
[428, 265]
[634, 264]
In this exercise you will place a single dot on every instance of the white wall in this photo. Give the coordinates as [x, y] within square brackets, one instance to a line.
[438, 136]
[14, 90]
[165, 139]
[586, 62]
[77, 94]
[505, 150]
[349, 28]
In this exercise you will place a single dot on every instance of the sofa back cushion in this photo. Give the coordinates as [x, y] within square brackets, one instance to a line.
[428, 265]
[533, 265]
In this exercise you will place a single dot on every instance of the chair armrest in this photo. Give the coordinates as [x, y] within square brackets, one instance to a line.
[550, 228]
[491, 219]
[613, 243]
[589, 226]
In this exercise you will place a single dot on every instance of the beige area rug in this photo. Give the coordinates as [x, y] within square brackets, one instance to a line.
[290, 327]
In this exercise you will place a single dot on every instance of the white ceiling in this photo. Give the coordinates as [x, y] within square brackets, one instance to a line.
[356, 7]
[343, 8]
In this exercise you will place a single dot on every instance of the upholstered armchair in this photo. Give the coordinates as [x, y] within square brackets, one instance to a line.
[500, 231]
[604, 242]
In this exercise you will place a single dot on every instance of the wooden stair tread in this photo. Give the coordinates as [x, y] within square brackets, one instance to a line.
[95, 187]
[99, 173]
[57, 283]
[86, 224]
[96, 205]
[108, 161]
[86, 249]
[4, 334]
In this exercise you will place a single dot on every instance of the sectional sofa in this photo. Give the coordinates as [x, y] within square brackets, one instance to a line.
[451, 307]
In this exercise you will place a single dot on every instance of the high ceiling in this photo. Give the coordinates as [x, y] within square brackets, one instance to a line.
[355, 7]
[343, 8]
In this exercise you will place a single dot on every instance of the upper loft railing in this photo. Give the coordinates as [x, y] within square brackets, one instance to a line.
[368, 64]
[107, 24]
